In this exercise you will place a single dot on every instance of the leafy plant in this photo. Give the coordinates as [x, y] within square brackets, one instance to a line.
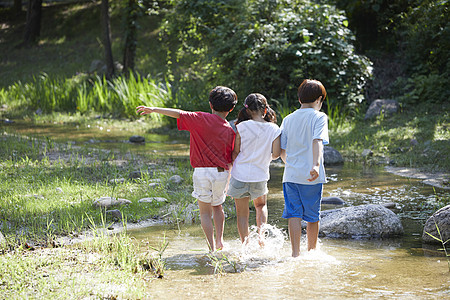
[158, 264]
[220, 261]
[265, 46]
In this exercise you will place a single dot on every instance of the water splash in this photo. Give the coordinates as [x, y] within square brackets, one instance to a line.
[262, 249]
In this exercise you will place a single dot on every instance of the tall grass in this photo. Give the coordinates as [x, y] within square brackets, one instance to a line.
[336, 115]
[84, 93]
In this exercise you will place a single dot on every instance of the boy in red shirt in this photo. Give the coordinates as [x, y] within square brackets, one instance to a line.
[211, 145]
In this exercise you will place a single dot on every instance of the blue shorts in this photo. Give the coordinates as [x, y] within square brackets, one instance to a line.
[302, 201]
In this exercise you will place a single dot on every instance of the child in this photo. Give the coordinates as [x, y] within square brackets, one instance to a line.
[211, 145]
[257, 142]
[303, 134]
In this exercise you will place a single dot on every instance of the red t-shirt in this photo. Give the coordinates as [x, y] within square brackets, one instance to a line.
[211, 141]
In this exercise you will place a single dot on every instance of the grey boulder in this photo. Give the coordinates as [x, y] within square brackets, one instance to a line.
[442, 219]
[363, 221]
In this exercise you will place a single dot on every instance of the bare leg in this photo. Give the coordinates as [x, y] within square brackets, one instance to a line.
[219, 223]
[207, 224]
[242, 213]
[295, 233]
[312, 232]
[261, 214]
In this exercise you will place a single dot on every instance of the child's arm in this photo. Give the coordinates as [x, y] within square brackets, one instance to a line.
[317, 154]
[276, 147]
[237, 146]
[283, 155]
[170, 112]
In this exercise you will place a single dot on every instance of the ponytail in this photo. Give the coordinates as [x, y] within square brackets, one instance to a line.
[270, 116]
[243, 115]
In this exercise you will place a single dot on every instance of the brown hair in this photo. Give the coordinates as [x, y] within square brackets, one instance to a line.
[256, 102]
[310, 89]
[222, 98]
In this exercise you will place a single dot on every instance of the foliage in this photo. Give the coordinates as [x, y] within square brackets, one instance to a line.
[417, 32]
[373, 20]
[424, 35]
[83, 93]
[132, 10]
[265, 46]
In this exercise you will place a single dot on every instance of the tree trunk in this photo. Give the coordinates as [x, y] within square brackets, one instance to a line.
[17, 7]
[33, 26]
[129, 52]
[107, 39]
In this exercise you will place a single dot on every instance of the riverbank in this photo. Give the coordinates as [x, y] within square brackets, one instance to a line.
[436, 179]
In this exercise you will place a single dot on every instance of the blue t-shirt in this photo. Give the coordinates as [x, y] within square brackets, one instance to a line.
[298, 130]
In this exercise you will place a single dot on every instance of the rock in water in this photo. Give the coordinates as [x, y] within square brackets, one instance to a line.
[331, 156]
[332, 201]
[137, 139]
[442, 219]
[363, 221]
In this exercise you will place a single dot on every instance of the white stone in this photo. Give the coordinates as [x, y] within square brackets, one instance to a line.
[107, 202]
[151, 199]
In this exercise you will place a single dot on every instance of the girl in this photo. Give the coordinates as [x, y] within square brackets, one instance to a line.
[257, 142]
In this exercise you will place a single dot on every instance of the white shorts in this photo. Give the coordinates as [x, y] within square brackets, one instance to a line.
[210, 185]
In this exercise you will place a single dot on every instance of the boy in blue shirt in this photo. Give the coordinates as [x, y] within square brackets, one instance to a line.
[303, 134]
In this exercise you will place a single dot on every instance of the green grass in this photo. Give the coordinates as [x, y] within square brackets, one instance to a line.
[83, 94]
[82, 270]
[47, 189]
[394, 139]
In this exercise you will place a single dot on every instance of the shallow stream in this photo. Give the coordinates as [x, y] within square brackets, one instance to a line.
[340, 268]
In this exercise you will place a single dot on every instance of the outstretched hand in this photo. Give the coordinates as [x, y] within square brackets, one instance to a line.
[314, 173]
[144, 110]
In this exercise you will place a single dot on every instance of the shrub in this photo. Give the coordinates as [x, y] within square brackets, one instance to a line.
[265, 46]
[424, 35]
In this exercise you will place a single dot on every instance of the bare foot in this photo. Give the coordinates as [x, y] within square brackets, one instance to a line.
[219, 246]
[261, 241]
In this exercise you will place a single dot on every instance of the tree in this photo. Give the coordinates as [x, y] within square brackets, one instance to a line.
[133, 10]
[107, 38]
[17, 7]
[129, 52]
[33, 24]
